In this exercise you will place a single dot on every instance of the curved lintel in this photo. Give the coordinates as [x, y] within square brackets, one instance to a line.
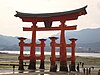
[57, 16]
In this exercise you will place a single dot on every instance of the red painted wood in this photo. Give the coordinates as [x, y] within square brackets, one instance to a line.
[33, 43]
[50, 29]
[52, 44]
[42, 48]
[21, 44]
[73, 49]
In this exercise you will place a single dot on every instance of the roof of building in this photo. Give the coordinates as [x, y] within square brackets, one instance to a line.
[46, 15]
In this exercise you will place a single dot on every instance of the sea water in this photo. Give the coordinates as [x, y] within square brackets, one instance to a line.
[57, 53]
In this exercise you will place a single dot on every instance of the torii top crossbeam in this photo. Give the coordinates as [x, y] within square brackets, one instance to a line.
[49, 17]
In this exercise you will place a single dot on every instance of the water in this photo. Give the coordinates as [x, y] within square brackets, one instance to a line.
[57, 53]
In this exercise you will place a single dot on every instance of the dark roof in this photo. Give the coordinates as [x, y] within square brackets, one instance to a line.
[44, 15]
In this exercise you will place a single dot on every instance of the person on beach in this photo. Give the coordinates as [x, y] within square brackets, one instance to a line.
[69, 67]
[82, 65]
[13, 68]
[99, 72]
[89, 70]
[92, 67]
[78, 67]
[25, 63]
[56, 67]
[84, 70]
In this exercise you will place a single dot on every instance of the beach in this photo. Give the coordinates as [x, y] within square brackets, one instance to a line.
[6, 58]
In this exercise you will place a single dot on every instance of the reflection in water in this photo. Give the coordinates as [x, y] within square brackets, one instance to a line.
[21, 71]
[47, 72]
[38, 72]
[74, 73]
[32, 71]
[42, 73]
[28, 71]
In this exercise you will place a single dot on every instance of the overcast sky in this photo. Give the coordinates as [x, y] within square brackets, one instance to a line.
[10, 25]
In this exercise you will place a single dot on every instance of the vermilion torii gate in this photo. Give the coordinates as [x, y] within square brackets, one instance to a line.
[48, 18]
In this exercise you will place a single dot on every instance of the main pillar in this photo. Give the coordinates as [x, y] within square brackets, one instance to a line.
[42, 53]
[21, 44]
[63, 56]
[73, 44]
[32, 64]
[53, 66]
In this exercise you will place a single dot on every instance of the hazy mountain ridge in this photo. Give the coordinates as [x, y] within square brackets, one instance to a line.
[88, 35]
[9, 42]
[87, 38]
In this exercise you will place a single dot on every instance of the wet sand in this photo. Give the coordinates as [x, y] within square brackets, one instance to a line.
[13, 59]
[45, 72]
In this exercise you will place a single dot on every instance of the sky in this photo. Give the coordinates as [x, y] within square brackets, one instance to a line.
[12, 26]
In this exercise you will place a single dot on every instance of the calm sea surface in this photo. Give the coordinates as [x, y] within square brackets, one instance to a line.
[57, 53]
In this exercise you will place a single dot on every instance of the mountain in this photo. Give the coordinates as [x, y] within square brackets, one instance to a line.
[83, 36]
[87, 35]
[8, 40]
[9, 43]
[88, 40]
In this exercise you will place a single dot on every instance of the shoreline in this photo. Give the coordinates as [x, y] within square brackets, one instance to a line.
[97, 55]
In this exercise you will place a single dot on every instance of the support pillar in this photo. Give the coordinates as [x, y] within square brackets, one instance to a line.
[63, 56]
[73, 53]
[53, 66]
[32, 64]
[42, 53]
[21, 66]
[21, 44]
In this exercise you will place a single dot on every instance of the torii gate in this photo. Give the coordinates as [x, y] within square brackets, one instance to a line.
[48, 18]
